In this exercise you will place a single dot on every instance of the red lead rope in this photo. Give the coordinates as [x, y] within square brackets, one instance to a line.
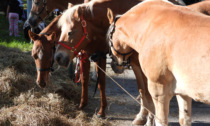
[82, 58]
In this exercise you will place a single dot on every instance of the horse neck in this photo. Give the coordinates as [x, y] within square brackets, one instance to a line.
[52, 27]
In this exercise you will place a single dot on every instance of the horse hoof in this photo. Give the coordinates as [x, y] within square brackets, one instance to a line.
[82, 106]
[100, 116]
[139, 122]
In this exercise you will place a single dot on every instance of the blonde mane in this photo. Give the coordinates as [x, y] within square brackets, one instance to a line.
[68, 14]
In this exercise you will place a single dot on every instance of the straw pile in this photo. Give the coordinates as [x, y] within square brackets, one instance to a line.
[22, 102]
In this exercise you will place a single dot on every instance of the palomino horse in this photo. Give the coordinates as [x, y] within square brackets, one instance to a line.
[202, 7]
[43, 51]
[90, 36]
[174, 64]
[41, 9]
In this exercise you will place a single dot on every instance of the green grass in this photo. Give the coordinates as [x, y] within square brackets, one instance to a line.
[13, 42]
[17, 44]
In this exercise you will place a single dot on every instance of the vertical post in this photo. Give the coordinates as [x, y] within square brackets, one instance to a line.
[29, 5]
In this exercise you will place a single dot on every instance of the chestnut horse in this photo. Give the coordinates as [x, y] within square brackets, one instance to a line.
[41, 9]
[167, 59]
[90, 36]
[43, 51]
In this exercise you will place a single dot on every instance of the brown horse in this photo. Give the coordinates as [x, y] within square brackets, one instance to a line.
[168, 60]
[41, 9]
[43, 50]
[90, 36]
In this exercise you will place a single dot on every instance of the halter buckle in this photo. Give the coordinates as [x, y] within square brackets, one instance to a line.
[73, 49]
[87, 37]
[84, 24]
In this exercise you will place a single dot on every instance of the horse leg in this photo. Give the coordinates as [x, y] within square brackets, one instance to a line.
[101, 87]
[84, 81]
[146, 100]
[161, 97]
[146, 104]
[184, 103]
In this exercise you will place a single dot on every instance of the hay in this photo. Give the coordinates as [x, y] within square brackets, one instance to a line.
[22, 102]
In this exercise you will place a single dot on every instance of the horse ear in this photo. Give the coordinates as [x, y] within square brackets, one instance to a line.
[32, 35]
[70, 5]
[110, 15]
[53, 36]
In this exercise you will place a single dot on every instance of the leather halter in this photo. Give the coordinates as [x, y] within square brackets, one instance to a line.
[51, 69]
[124, 63]
[74, 49]
[44, 7]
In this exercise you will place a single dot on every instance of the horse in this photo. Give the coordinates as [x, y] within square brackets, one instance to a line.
[43, 51]
[168, 60]
[91, 37]
[41, 9]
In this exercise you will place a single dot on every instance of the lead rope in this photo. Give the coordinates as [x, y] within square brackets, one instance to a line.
[131, 95]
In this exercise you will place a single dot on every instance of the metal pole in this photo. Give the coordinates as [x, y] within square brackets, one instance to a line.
[29, 5]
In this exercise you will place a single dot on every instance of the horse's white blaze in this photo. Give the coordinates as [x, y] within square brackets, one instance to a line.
[40, 54]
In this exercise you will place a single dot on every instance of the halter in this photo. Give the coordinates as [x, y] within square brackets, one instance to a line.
[124, 63]
[44, 7]
[51, 69]
[74, 49]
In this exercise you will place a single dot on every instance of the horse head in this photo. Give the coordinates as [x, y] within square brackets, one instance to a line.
[75, 34]
[119, 51]
[43, 54]
[39, 10]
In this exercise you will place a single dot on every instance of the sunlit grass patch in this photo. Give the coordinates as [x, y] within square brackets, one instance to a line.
[24, 46]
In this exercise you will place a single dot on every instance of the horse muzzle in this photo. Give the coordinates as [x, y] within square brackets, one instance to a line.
[62, 60]
[117, 69]
[41, 84]
[33, 21]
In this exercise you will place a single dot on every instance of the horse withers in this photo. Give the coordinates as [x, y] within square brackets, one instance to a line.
[173, 46]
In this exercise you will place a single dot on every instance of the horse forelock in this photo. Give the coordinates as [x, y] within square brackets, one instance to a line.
[68, 15]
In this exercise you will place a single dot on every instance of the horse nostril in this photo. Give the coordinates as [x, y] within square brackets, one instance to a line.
[41, 84]
[58, 58]
[66, 61]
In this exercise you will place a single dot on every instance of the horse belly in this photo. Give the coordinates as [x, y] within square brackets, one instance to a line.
[193, 80]
[197, 91]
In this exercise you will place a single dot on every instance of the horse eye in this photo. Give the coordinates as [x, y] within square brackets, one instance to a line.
[37, 3]
[70, 33]
[35, 56]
